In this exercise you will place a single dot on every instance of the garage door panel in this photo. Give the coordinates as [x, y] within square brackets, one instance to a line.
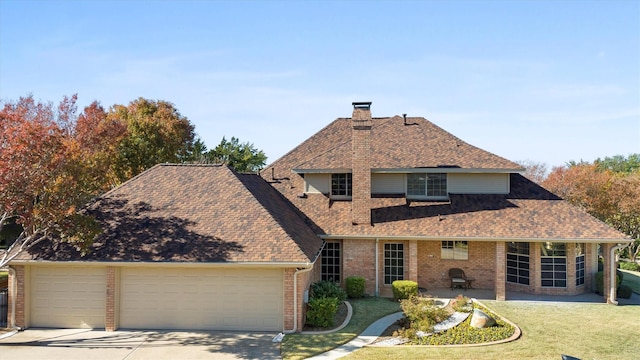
[207, 299]
[68, 297]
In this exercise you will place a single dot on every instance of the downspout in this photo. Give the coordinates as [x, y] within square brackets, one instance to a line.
[295, 298]
[14, 293]
[295, 289]
[612, 267]
[377, 292]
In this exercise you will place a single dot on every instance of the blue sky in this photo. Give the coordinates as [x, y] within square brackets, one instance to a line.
[546, 81]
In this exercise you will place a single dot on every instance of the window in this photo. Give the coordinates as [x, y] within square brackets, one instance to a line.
[429, 185]
[416, 184]
[455, 250]
[393, 263]
[331, 262]
[553, 261]
[437, 185]
[518, 263]
[579, 264]
[341, 184]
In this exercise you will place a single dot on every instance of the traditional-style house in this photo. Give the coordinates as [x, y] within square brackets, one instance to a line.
[203, 247]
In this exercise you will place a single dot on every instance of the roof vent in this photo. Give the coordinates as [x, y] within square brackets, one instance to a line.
[404, 116]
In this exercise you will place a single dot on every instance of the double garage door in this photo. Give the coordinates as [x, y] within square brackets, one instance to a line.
[159, 298]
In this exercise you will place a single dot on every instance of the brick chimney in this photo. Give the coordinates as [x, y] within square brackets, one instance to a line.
[361, 163]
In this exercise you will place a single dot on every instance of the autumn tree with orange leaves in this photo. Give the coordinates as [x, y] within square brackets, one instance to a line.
[43, 177]
[611, 196]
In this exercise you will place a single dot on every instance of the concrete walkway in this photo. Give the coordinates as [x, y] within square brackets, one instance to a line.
[368, 336]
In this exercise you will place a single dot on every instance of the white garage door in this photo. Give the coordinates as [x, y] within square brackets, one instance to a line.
[205, 299]
[68, 297]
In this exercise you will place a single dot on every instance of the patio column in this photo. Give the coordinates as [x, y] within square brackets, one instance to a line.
[501, 276]
[111, 323]
[413, 260]
[609, 287]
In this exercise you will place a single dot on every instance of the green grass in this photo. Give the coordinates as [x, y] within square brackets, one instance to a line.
[365, 312]
[632, 280]
[586, 331]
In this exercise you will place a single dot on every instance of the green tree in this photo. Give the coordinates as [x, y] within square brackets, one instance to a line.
[243, 157]
[619, 163]
[156, 133]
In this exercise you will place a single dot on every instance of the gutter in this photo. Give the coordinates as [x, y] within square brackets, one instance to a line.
[612, 269]
[256, 264]
[467, 238]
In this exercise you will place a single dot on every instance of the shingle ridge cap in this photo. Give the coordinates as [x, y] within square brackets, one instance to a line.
[193, 164]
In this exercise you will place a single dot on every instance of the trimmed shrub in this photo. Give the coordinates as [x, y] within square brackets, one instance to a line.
[631, 266]
[327, 289]
[355, 287]
[404, 289]
[322, 311]
[624, 291]
[600, 281]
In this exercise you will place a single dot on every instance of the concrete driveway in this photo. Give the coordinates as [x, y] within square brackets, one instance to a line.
[70, 344]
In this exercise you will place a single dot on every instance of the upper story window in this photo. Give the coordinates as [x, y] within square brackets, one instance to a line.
[427, 184]
[341, 185]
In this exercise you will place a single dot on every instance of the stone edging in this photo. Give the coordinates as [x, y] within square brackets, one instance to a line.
[515, 336]
[344, 323]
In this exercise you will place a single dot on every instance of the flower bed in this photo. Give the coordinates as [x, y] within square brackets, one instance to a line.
[429, 324]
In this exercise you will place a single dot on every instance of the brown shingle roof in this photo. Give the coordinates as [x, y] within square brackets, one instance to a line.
[198, 213]
[419, 143]
[529, 213]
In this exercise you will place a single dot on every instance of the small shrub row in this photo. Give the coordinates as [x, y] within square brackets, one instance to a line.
[631, 266]
[327, 289]
[404, 289]
[324, 300]
[322, 311]
[355, 287]
[600, 281]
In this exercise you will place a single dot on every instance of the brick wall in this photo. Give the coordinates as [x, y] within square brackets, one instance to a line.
[110, 323]
[361, 166]
[19, 280]
[433, 270]
[358, 259]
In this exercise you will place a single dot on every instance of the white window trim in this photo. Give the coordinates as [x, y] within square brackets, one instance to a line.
[425, 197]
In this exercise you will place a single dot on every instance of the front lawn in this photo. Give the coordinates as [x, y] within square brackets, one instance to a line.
[365, 312]
[632, 280]
[586, 331]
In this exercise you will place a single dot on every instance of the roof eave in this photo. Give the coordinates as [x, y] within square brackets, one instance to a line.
[472, 238]
[414, 170]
